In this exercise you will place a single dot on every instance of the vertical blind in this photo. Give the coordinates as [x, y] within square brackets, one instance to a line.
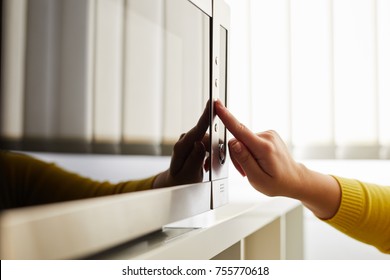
[319, 74]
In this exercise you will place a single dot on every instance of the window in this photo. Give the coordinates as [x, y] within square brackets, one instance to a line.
[318, 74]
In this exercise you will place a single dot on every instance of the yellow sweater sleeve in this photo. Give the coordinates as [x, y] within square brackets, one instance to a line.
[364, 213]
[28, 181]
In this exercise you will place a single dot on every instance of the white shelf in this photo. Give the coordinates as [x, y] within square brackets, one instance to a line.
[266, 230]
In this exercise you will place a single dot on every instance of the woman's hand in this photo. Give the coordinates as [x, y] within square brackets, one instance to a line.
[262, 157]
[266, 161]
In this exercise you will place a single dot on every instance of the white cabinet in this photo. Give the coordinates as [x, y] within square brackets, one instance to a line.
[267, 230]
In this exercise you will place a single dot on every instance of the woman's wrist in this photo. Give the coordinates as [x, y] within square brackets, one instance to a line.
[320, 193]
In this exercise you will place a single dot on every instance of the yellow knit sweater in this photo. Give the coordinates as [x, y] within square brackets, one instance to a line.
[364, 213]
[26, 181]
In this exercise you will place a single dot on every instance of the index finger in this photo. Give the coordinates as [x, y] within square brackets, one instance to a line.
[199, 130]
[239, 131]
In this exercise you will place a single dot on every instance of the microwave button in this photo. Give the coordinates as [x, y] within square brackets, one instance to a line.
[222, 153]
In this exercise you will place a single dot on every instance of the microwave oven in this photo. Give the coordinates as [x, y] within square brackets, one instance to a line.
[110, 84]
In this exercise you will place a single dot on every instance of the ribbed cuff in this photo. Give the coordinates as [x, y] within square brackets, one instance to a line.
[350, 210]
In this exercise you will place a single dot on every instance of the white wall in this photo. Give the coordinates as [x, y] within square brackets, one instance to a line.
[323, 241]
